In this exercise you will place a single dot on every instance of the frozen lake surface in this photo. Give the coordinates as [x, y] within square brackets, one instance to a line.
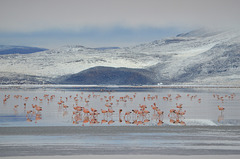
[180, 121]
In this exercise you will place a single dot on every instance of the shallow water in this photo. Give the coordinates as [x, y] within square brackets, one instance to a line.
[55, 130]
[200, 105]
[124, 140]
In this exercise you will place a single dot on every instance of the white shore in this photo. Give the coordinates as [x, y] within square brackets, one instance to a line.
[128, 157]
[23, 86]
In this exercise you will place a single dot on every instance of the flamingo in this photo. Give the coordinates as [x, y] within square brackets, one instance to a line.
[86, 111]
[29, 120]
[29, 111]
[160, 122]
[127, 113]
[93, 110]
[127, 122]
[135, 111]
[220, 108]
[179, 106]
[85, 121]
[139, 123]
[182, 113]
[146, 120]
[104, 121]
[111, 122]
[111, 111]
[65, 106]
[104, 111]
[159, 112]
[38, 108]
[154, 108]
[143, 106]
[120, 111]
[135, 122]
[182, 123]
[146, 111]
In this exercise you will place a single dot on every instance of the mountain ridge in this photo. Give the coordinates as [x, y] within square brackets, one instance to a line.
[196, 57]
[13, 49]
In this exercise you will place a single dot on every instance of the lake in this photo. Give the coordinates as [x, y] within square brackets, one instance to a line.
[73, 120]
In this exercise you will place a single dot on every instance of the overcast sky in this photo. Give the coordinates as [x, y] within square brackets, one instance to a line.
[52, 23]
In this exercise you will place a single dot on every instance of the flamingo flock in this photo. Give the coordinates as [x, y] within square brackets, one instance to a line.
[109, 108]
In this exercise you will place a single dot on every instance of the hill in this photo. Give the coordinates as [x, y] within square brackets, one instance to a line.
[201, 56]
[10, 49]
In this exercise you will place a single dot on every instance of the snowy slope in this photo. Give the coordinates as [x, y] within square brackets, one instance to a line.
[71, 59]
[198, 57]
[10, 49]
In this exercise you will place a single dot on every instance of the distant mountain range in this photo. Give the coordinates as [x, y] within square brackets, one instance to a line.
[11, 49]
[198, 57]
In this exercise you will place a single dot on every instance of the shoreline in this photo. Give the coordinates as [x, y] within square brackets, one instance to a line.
[127, 157]
[118, 86]
[15, 130]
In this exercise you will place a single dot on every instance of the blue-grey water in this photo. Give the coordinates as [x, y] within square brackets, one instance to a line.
[202, 129]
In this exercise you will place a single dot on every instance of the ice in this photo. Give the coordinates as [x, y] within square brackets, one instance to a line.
[200, 122]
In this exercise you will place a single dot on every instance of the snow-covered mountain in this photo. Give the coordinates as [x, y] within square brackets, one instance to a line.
[198, 57]
[11, 49]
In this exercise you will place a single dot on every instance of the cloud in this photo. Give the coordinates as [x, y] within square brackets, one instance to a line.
[35, 15]
[90, 37]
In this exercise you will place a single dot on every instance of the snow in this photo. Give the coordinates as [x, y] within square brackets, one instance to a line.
[200, 122]
[175, 55]
[68, 61]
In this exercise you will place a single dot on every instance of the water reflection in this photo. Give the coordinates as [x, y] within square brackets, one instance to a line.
[221, 117]
[112, 108]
